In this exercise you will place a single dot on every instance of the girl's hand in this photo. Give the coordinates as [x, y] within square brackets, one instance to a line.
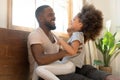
[70, 31]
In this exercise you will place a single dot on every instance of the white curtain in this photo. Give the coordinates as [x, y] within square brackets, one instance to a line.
[91, 53]
[115, 63]
[115, 27]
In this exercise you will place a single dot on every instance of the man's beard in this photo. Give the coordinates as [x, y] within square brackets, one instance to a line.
[50, 27]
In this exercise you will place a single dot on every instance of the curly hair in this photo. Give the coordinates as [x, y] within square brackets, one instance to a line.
[92, 22]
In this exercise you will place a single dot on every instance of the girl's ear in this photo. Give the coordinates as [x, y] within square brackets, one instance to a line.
[81, 24]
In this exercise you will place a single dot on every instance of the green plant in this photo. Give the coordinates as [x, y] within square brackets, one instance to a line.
[108, 47]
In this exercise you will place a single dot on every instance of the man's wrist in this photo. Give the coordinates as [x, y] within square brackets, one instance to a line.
[63, 52]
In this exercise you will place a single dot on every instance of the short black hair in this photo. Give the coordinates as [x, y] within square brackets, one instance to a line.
[40, 9]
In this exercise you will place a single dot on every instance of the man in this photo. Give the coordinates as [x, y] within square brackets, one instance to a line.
[43, 48]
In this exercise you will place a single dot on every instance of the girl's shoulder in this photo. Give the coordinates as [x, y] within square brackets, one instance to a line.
[78, 33]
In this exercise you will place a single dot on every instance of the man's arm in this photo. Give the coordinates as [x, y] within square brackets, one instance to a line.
[41, 58]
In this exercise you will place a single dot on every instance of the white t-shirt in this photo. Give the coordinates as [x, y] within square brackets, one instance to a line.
[39, 37]
[77, 59]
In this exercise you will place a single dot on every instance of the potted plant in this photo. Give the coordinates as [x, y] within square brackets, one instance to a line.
[109, 48]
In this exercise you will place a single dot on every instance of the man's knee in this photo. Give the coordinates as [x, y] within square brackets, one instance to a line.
[73, 76]
[87, 69]
[93, 73]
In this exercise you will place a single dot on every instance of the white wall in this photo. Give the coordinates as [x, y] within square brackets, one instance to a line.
[115, 17]
[3, 13]
[110, 9]
[104, 6]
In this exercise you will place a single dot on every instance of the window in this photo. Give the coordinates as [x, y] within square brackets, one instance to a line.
[23, 12]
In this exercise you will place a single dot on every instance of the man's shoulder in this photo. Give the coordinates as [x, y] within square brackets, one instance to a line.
[34, 35]
[36, 32]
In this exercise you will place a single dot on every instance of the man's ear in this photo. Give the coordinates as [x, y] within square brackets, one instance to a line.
[40, 18]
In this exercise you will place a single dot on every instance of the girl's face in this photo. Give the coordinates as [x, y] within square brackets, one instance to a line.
[76, 25]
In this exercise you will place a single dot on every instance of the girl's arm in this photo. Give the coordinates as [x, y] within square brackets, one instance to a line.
[71, 49]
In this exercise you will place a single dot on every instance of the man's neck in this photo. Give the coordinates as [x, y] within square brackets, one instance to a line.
[45, 29]
[48, 33]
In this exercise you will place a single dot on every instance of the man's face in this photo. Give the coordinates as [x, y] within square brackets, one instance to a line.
[49, 17]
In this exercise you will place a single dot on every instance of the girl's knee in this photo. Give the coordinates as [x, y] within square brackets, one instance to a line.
[39, 69]
[70, 66]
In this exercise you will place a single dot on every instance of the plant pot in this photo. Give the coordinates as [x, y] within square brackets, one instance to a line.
[106, 69]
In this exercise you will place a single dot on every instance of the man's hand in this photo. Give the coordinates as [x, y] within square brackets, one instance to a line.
[79, 49]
